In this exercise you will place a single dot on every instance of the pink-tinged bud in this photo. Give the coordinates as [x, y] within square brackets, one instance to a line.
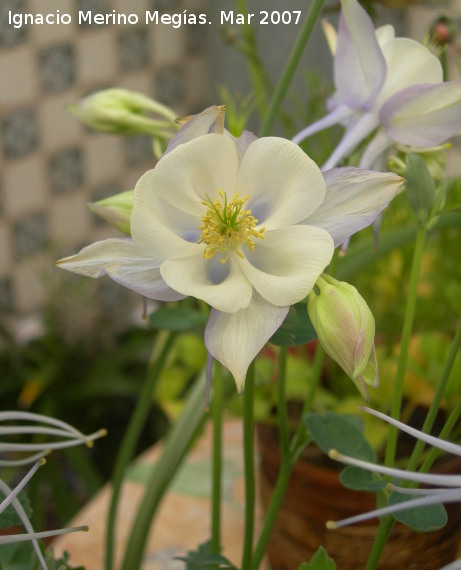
[345, 328]
[116, 210]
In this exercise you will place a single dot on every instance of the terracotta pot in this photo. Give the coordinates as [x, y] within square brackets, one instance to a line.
[315, 496]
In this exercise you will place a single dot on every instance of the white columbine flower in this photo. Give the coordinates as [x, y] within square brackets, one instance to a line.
[394, 85]
[448, 487]
[246, 225]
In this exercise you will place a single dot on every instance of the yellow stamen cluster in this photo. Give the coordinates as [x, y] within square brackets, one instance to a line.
[226, 227]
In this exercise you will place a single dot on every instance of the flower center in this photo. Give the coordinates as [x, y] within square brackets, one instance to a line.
[227, 227]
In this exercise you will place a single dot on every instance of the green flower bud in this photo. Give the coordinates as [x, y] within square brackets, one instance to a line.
[116, 210]
[124, 112]
[420, 187]
[345, 328]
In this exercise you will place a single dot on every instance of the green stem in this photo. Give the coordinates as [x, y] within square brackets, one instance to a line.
[282, 404]
[286, 465]
[300, 438]
[248, 457]
[405, 343]
[260, 80]
[271, 514]
[386, 525]
[434, 407]
[290, 67]
[128, 445]
[176, 446]
[217, 409]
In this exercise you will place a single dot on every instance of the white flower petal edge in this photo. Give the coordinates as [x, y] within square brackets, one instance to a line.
[121, 261]
[353, 200]
[236, 338]
[287, 263]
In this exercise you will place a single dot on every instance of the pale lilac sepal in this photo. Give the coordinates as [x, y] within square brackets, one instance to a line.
[119, 259]
[208, 121]
[423, 115]
[359, 65]
[353, 199]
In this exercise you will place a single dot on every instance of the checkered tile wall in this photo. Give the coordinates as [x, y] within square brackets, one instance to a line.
[50, 165]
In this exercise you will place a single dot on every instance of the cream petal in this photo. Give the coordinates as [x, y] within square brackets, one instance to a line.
[122, 262]
[167, 209]
[354, 198]
[236, 338]
[284, 184]
[285, 265]
[408, 63]
[223, 286]
[384, 34]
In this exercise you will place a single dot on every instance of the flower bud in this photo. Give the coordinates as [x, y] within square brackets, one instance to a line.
[420, 187]
[345, 328]
[124, 112]
[116, 210]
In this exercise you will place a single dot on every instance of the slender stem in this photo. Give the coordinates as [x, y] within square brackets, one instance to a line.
[271, 514]
[259, 78]
[300, 438]
[176, 446]
[128, 445]
[248, 456]
[282, 404]
[217, 409]
[290, 67]
[386, 525]
[405, 343]
[434, 407]
[286, 465]
[315, 379]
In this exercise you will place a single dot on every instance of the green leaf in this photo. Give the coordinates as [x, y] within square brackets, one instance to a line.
[177, 319]
[420, 519]
[320, 561]
[9, 517]
[296, 329]
[204, 558]
[361, 480]
[340, 432]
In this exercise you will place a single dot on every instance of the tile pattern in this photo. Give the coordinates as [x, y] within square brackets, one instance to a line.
[51, 165]
[19, 132]
[66, 170]
[57, 67]
[9, 34]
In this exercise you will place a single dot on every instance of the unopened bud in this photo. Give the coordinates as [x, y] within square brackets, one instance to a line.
[124, 112]
[345, 328]
[116, 210]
